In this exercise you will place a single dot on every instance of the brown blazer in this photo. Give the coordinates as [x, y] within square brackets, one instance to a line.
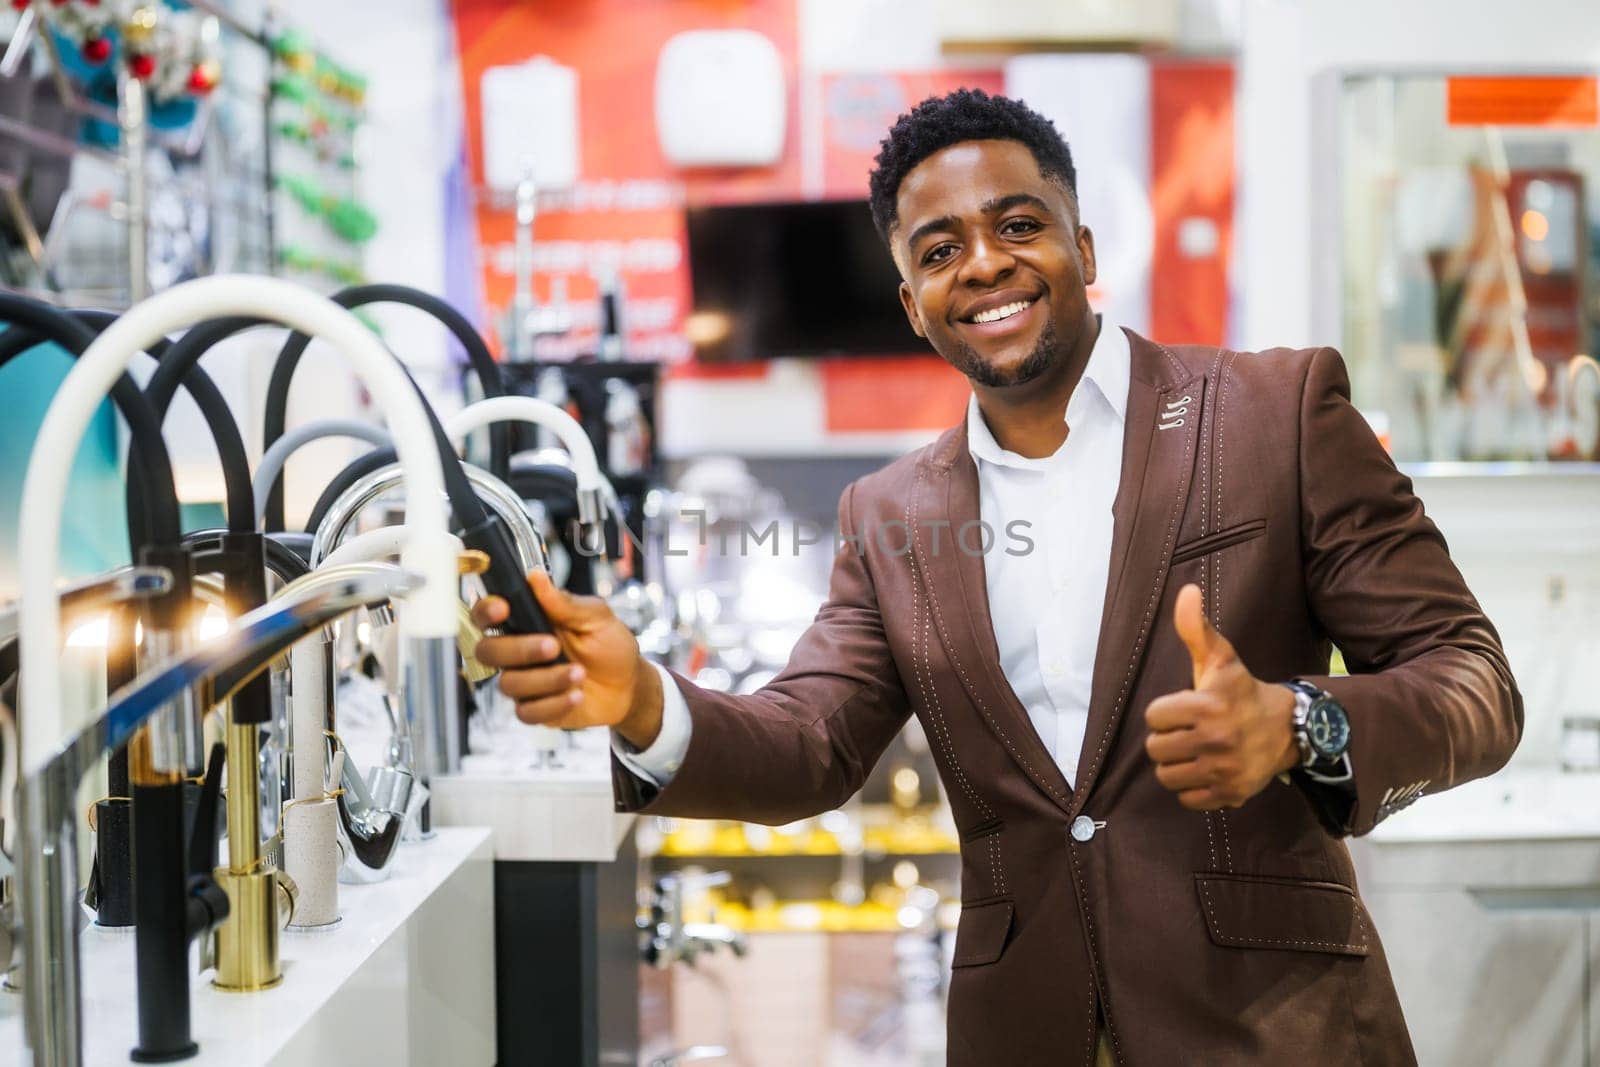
[1224, 937]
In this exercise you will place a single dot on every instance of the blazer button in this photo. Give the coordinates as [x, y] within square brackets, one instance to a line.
[1082, 828]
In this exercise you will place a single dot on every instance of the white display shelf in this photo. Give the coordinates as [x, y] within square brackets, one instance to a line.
[538, 811]
[407, 976]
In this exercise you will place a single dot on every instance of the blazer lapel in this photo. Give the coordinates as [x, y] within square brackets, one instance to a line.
[1158, 455]
[946, 497]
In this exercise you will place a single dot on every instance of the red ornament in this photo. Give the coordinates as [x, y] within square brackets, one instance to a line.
[201, 80]
[20, 5]
[142, 64]
[96, 50]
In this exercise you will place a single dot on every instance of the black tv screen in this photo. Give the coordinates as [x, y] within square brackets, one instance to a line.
[793, 279]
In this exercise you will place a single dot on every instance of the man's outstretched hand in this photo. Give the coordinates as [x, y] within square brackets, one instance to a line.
[1220, 743]
[605, 681]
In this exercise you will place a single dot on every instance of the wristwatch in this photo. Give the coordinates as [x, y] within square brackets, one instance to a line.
[1322, 732]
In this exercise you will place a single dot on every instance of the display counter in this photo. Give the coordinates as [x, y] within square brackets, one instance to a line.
[407, 976]
[565, 895]
[1487, 898]
[536, 811]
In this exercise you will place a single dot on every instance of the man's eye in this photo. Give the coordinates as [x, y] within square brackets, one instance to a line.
[938, 253]
[1017, 226]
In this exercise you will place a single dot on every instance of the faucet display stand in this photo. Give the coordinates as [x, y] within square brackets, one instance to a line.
[408, 977]
[566, 960]
[566, 948]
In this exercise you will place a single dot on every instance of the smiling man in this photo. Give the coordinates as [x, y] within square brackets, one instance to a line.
[1149, 764]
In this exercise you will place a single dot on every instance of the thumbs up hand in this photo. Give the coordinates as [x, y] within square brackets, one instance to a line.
[1220, 743]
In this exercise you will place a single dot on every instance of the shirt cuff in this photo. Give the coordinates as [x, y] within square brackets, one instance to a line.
[1333, 799]
[658, 763]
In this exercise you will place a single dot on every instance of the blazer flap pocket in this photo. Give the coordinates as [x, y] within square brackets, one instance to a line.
[1299, 915]
[981, 934]
[1214, 542]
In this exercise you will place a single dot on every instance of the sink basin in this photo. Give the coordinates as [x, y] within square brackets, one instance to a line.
[1516, 804]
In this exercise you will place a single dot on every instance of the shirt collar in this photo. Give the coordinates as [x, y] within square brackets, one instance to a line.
[1105, 376]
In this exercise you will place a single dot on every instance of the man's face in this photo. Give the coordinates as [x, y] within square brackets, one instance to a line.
[994, 261]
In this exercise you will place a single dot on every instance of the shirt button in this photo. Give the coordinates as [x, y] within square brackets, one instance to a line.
[1082, 828]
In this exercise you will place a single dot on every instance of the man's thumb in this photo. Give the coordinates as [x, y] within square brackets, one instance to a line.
[1196, 632]
[561, 607]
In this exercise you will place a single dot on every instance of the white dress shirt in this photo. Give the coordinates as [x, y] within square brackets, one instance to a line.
[1045, 603]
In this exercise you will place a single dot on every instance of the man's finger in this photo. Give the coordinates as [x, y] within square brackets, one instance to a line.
[1194, 629]
[549, 711]
[516, 650]
[534, 683]
[1177, 777]
[1182, 710]
[490, 611]
[1174, 746]
[1208, 649]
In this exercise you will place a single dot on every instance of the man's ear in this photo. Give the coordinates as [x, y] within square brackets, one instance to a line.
[1086, 253]
[912, 315]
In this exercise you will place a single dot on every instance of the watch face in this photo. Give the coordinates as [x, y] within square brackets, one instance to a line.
[1327, 728]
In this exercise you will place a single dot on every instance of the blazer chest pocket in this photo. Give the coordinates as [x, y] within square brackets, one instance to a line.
[1292, 914]
[1212, 542]
[982, 932]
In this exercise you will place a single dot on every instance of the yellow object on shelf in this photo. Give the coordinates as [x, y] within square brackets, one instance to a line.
[884, 833]
[812, 916]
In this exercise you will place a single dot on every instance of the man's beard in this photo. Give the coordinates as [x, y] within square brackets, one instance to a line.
[1044, 355]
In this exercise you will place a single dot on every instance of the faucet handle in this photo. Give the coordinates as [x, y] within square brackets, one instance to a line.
[207, 902]
[505, 578]
[208, 907]
[288, 898]
[203, 838]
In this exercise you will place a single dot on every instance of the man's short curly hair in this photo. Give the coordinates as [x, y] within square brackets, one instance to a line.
[964, 115]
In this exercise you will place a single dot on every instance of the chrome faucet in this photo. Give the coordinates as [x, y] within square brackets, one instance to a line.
[435, 736]
[666, 939]
[370, 829]
[96, 594]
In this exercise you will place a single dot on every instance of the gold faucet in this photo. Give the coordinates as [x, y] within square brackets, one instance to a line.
[260, 897]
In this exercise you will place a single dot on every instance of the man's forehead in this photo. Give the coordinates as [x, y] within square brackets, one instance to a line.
[963, 178]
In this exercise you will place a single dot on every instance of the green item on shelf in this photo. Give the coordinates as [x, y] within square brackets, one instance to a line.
[351, 221]
[292, 86]
[347, 218]
[291, 43]
[304, 190]
[318, 73]
[296, 258]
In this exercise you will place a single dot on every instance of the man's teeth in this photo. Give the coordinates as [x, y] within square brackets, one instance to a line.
[996, 314]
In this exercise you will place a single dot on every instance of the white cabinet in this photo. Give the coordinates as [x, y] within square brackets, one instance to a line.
[1487, 899]
[1484, 984]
